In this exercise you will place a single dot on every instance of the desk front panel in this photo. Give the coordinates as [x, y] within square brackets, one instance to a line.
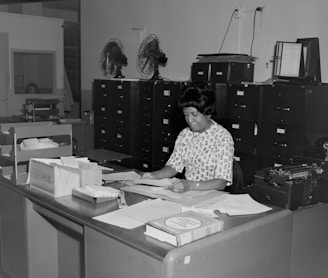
[259, 248]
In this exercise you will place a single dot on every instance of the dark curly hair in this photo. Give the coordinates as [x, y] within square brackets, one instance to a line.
[199, 96]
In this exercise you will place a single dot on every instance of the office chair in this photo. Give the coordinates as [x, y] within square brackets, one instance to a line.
[237, 179]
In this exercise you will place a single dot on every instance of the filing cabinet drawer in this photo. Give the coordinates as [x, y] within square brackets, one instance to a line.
[145, 128]
[146, 95]
[146, 104]
[267, 161]
[101, 111]
[166, 93]
[144, 147]
[284, 105]
[199, 72]
[244, 135]
[101, 90]
[222, 72]
[243, 102]
[112, 92]
[142, 164]
[101, 138]
[161, 152]
[164, 127]
[280, 140]
[231, 72]
[120, 142]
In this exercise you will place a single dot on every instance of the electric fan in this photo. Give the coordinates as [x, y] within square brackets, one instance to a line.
[113, 59]
[150, 57]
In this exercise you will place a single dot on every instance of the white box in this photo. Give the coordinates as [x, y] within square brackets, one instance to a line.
[48, 176]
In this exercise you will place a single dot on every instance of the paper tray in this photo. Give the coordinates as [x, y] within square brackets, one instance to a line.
[91, 198]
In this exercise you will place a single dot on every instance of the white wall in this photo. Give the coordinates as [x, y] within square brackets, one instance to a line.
[27, 32]
[188, 27]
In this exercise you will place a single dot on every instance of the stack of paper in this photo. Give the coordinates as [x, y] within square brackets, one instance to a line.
[231, 204]
[139, 214]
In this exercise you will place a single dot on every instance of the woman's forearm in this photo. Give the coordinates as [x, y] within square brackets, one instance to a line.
[165, 172]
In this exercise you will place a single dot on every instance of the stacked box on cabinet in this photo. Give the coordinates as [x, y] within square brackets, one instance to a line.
[242, 118]
[282, 125]
[115, 109]
[14, 160]
[222, 72]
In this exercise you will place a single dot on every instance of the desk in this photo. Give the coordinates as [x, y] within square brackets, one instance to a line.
[62, 240]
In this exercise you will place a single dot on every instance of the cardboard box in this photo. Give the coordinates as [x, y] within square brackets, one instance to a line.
[52, 178]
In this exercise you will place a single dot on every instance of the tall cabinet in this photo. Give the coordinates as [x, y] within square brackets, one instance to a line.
[242, 112]
[137, 118]
[270, 124]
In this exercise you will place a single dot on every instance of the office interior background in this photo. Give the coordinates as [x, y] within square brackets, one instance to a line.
[185, 28]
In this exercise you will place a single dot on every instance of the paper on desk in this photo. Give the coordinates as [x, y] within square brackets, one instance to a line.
[140, 213]
[232, 204]
[105, 169]
[188, 198]
[153, 182]
[134, 178]
[121, 176]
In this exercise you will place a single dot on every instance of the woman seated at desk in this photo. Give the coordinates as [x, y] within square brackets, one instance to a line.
[204, 149]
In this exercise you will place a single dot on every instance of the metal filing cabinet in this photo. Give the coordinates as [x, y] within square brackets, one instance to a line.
[168, 120]
[242, 117]
[282, 126]
[142, 159]
[114, 109]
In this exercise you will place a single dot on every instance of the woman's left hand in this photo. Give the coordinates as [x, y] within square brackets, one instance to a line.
[180, 186]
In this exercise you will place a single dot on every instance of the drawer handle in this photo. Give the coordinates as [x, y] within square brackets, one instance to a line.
[283, 145]
[286, 109]
[240, 105]
[267, 197]
[238, 139]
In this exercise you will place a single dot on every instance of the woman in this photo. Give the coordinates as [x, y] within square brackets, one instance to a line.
[204, 149]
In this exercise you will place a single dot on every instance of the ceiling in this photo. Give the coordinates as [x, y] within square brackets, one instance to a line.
[71, 5]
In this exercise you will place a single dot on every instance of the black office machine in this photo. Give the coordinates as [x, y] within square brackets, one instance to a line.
[290, 186]
[41, 109]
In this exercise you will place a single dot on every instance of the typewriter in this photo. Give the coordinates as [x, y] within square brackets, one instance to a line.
[288, 186]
